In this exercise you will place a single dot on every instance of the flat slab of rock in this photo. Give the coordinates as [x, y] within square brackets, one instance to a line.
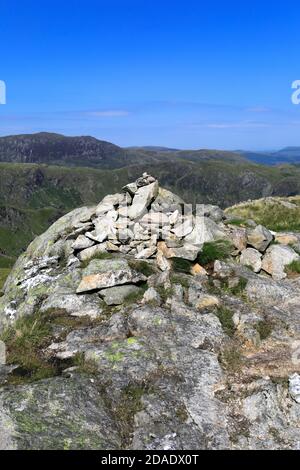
[117, 295]
[110, 279]
[101, 274]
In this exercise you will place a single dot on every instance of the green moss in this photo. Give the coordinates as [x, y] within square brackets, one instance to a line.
[232, 359]
[181, 265]
[142, 267]
[116, 356]
[239, 288]
[104, 255]
[225, 316]
[212, 251]
[237, 221]
[264, 328]
[165, 293]
[128, 405]
[177, 279]
[135, 297]
[86, 366]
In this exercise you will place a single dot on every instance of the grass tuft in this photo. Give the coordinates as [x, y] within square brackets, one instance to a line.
[212, 251]
[225, 316]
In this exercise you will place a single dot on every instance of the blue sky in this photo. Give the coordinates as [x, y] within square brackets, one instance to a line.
[185, 74]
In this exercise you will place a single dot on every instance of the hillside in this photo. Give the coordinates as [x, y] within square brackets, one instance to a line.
[33, 196]
[131, 325]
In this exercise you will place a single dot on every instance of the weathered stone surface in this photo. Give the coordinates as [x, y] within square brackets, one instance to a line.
[101, 281]
[109, 203]
[207, 301]
[252, 258]
[101, 274]
[260, 238]
[91, 252]
[286, 238]
[208, 210]
[146, 253]
[117, 295]
[187, 251]
[152, 296]
[82, 242]
[156, 218]
[73, 304]
[162, 261]
[277, 257]
[198, 270]
[184, 228]
[205, 230]
[238, 236]
[142, 199]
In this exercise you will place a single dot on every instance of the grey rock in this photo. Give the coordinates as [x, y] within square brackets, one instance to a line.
[260, 238]
[92, 252]
[276, 258]
[205, 230]
[251, 257]
[101, 274]
[142, 199]
[152, 296]
[208, 210]
[117, 295]
[82, 242]
[146, 253]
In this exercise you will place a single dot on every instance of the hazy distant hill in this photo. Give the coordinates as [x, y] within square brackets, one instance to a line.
[290, 155]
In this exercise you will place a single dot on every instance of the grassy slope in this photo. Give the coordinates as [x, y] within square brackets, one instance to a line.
[271, 212]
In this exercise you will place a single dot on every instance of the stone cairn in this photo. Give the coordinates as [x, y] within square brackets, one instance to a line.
[148, 222]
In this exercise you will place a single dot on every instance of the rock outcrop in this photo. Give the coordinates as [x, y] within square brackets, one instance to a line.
[143, 323]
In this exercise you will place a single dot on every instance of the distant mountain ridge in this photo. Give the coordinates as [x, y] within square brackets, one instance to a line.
[56, 149]
[86, 151]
